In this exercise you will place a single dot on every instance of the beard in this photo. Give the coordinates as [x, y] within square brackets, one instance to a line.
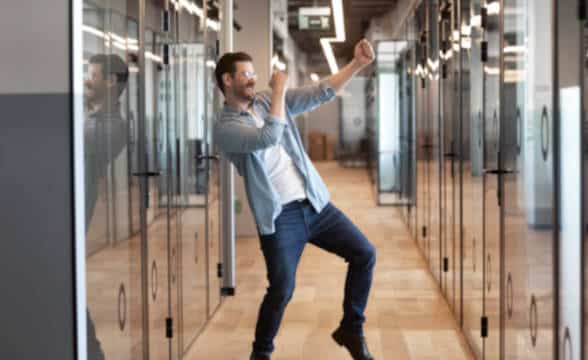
[247, 92]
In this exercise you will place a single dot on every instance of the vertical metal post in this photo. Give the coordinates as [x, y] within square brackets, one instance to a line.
[227, 172]
[143, 181]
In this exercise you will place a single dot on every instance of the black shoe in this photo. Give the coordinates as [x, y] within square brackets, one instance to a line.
[255, 356]
[355, 344]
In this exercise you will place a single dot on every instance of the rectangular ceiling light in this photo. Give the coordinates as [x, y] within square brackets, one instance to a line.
[339, 20]
[328, 51]
[339, 35]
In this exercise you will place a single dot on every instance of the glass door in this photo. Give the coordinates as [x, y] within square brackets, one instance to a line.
[114, 286]
[213, 205]
[528, 180]
[161, 223]
[472, 176]
[449, 125]
[569, 94]
[393, 127]
[194, 187]
[160, 229]
[422, 141]
[491, 50]
[434, 136]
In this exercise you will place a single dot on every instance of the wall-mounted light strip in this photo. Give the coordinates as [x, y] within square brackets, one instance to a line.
[339, 35]
[194, 9]
[476, 21]
[515, 49]
[119, 41]
[494, 8]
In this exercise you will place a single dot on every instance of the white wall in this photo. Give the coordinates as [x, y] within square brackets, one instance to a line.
[23, 47]
[326, 119]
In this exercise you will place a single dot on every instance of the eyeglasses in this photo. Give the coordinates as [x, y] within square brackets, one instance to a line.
[249, 75]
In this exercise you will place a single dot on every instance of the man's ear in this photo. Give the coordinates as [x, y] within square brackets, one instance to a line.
[111, 80]
[227, 79]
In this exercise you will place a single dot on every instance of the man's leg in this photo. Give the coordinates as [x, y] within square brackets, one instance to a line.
[334, 232]
[282, 251]
[94, 349]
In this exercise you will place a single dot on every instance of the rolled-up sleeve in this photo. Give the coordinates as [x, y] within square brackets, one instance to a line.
[233, 136]
[307, 98]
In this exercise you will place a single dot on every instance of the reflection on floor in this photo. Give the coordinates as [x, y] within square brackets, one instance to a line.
[406, 318]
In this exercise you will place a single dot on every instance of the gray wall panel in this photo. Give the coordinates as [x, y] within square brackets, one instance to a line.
[34, 43]
[36, 270]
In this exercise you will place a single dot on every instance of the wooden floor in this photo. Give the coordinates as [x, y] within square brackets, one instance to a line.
[406, 317]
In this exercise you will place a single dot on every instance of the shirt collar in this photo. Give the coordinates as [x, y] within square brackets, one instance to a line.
[230, 109]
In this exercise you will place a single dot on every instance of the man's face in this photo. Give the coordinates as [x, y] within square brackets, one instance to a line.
[95, 85]
[242, 82]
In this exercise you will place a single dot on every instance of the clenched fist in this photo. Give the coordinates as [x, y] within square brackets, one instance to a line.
[279, 81]
[364, 52]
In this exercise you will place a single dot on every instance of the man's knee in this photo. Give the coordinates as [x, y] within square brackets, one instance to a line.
[367, 256]
[281, 293]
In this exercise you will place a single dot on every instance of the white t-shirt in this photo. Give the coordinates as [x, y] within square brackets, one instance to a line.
[282, 171]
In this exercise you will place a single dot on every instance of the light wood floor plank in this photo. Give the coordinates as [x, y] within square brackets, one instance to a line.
[407, 318]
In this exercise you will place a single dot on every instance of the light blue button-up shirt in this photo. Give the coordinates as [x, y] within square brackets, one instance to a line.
[241, 141]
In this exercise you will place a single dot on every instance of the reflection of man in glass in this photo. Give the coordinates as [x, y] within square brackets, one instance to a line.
[105, 136]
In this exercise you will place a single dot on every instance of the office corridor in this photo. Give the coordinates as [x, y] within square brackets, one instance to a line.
[407, 318]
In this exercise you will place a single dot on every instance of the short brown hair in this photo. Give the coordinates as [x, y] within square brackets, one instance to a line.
[226, 64]
[113, 65]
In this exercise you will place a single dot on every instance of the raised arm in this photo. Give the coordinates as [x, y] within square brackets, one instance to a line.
[363, 56]
[307, 98]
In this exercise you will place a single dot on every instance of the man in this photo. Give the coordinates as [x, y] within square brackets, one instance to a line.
[290, 202]
[105, 136]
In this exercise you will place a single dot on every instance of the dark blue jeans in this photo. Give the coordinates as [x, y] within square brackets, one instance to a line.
[330, 230]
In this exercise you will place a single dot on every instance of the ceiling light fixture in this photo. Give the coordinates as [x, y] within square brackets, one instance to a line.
[494, 8]
[195, 10]
[339, 35]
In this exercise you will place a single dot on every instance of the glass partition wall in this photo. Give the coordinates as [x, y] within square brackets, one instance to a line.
[488, 166]
[151, 176]
[393, 94]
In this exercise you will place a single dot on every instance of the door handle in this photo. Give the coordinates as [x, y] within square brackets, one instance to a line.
[545, 138]
[519, 123]
[148, 174]
[207, 157]
[499, 171]
[533, 320]
[509, 296]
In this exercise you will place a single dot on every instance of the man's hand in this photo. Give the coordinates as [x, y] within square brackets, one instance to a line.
[279, 85]
[279, 82]
[364, 53]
